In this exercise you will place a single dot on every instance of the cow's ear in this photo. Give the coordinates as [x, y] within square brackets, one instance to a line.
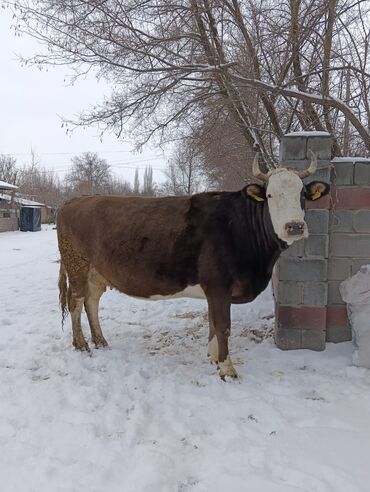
[316, 189]
[255, 192]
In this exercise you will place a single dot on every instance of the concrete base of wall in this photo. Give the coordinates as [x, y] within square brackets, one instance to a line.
[299, 327]
[338, 328]
[295, 338]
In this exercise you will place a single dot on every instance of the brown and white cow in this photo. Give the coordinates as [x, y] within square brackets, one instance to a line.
[220, 246]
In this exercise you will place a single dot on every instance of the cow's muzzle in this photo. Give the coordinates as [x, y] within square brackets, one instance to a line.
[295, 228]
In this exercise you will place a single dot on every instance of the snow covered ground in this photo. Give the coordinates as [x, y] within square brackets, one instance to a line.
[150, 414]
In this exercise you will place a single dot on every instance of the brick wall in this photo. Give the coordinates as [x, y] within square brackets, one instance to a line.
[309, 309]
[349, 246]
[8, 224]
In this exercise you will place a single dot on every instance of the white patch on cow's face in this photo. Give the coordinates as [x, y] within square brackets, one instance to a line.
[193, 291]
[283, 193]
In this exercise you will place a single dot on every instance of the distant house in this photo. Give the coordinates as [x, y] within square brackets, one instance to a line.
[8, 209]
[11, 204]
[47, 213]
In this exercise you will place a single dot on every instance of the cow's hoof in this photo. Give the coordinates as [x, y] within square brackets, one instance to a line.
[233, 376]
[226, 369]
[83, 346]
[226, 379]
[100, 342]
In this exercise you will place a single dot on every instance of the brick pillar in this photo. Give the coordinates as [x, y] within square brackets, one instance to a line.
[300, 283]
[349, 241]
[309, 309]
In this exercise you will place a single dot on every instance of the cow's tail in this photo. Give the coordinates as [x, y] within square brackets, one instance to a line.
[63, 291]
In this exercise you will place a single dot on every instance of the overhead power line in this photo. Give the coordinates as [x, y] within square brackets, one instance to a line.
[68, 153]
[50, 171]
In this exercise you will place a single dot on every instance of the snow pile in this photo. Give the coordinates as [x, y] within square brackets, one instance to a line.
[355, 292]
[150, 414]
[351, 159]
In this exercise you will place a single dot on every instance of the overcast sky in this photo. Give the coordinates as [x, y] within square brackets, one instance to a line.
[31, 103]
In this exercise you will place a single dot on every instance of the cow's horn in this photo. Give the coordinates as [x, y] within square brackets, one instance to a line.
[312, 167]
[256, 169]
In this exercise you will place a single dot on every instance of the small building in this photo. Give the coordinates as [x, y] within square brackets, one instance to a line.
[47, 213]
[11, 205]
[8, 209]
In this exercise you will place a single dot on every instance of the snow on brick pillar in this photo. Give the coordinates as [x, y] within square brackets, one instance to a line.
[300, 279]
[349, 240]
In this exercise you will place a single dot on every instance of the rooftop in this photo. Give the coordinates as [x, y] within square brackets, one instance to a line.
[7, 186]
[21, 201]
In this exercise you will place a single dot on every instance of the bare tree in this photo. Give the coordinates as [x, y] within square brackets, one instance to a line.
[270, 66]
[8, 169]
[39, 183]
[184, 172]
[119, 186]
[136, 189]
[148, 184]
[34, 182]
[89, 174]
[226, 158]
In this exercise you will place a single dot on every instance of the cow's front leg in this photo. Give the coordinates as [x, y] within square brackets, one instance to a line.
[219, 313]
[212, 340]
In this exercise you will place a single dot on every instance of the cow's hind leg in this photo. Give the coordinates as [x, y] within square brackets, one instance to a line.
[95, 289]
[79, 341]
[77, 293]
[76, 267]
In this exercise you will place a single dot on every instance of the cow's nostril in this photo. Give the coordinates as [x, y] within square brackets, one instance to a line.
[295, 228]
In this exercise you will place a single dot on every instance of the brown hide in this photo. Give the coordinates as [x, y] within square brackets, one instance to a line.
[136, 244]
[223, 241]
[159, 246]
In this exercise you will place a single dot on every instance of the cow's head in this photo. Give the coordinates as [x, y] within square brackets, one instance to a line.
[285, 194]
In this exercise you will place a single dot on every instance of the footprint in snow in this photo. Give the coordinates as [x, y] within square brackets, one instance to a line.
[188, 485]
[313, 395]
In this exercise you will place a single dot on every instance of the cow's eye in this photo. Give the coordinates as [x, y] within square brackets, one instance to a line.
[269, 195]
